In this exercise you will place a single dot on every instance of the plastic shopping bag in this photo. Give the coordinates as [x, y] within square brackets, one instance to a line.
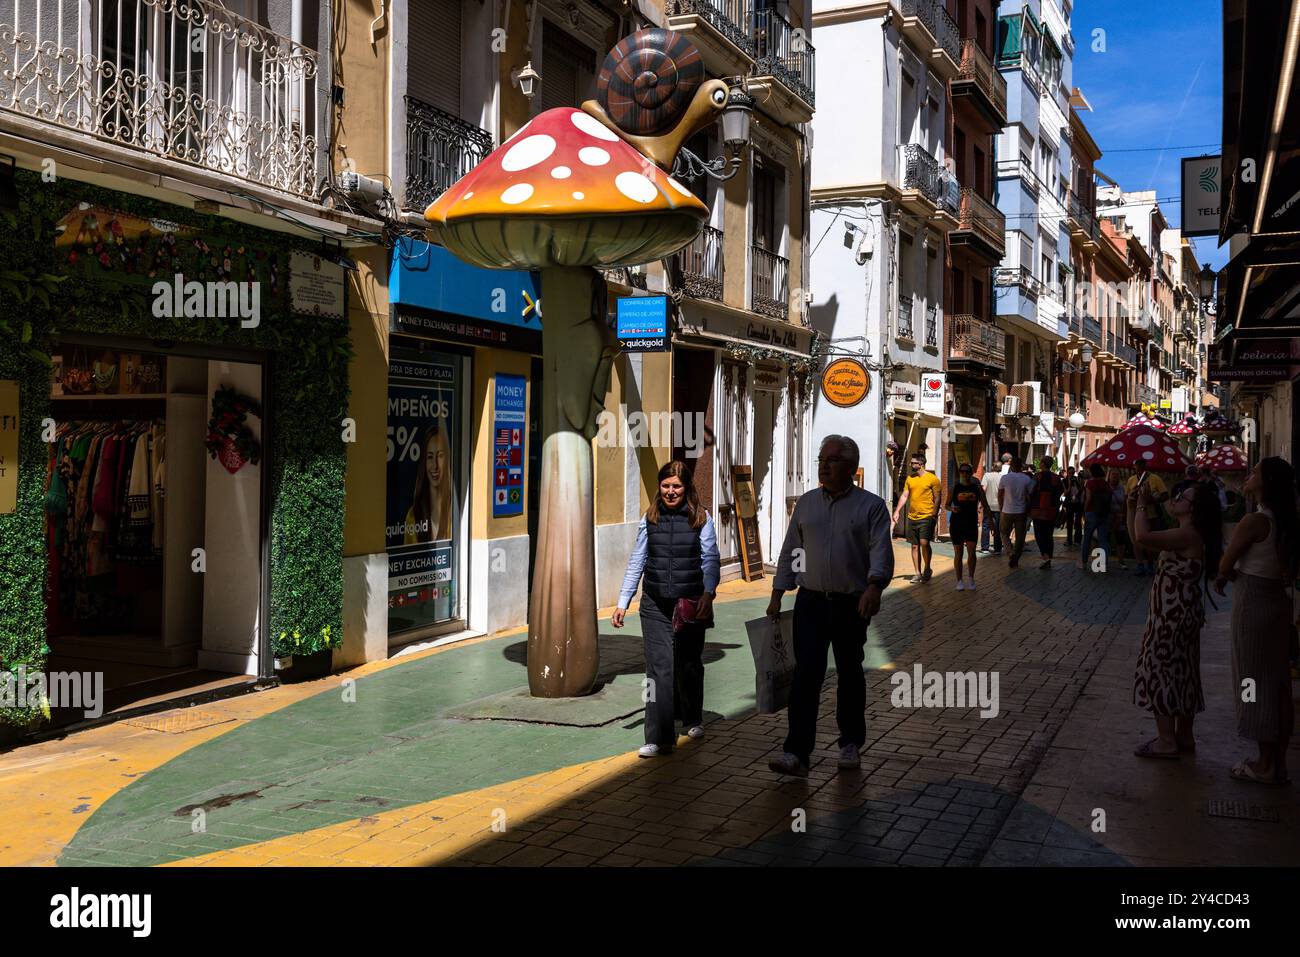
[773, 648]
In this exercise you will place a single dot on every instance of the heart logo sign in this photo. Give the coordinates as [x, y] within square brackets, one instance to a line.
[934, 384]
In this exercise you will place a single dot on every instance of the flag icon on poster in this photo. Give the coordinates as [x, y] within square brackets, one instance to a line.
[503, 436]
[501, 477]
[501, 496]
[516, 457]
[514, 496]
[503, 456]
[516, 477]
[516, 436]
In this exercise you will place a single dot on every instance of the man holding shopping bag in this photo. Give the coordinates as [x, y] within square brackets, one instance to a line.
[838, 551]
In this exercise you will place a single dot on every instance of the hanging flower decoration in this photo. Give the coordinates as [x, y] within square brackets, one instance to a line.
[229, 438]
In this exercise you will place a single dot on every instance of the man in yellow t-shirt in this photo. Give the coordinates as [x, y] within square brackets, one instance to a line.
[1159, 494]
[922, 494]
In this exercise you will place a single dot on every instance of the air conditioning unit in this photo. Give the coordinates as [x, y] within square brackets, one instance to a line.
[1030, 396]
[1011, 405]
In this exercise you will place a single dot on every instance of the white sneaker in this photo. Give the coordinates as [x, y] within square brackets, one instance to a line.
[961, 584]
[696, 731]
[970, 585]
[849, 757]
[648, 751]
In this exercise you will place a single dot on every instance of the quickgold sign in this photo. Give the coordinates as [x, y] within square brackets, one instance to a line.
[845, 383]
[8, 446]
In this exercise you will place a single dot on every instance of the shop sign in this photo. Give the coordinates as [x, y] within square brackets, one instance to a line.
[932, 391]
[509, 424]
[641, 323]
[8, 446]
[845, 383]
[1262, 374]
[751, 549]
[316, 286]
[1202, 189]
[423, 511]
[1044, 429]
[1266, 352]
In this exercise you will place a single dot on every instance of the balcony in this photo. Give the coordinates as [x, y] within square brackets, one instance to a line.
[1021, 168]
[905, 329]
[981, 227]
[633, 277]
[720, 30]
[925, 185]
[927, 24]
[771, 292]
[1141, 322]
[440, 149]
[191, 83]
[976, 343]
[783, 53]
[1020, 277]
[701, 264]
[981, 85]
[1126, 353]
[932, 327]
[1083, 222]
[1146, 395]
[1092, 331]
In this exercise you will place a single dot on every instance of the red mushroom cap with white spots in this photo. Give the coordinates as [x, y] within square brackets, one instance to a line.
[1143, 419]
[1223, 458]
[566, 191]
[1139, 443]
[1185, 427]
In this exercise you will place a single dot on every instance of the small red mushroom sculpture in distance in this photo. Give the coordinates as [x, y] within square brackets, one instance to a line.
[572, 190]
[1141, 442]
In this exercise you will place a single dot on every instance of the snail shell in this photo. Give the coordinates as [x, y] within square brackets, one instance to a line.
[648, 80]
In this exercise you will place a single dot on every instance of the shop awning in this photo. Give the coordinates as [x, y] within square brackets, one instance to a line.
[964, 425]
[926, 420]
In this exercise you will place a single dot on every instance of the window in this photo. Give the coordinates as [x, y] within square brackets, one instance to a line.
[568, 69]
[979, 305]
[767, 222]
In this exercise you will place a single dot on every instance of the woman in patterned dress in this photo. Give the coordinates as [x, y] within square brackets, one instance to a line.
[1168, 678]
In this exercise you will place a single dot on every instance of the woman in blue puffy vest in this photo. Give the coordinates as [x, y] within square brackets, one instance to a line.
[677, 551]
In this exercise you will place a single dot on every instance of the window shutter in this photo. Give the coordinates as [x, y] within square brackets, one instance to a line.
[568, 69]
[433, 74]
[1009, 40]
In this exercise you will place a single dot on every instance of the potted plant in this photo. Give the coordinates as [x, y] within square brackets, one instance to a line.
[300, 658]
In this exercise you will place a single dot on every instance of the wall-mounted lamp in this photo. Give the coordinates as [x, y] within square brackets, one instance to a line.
[735, 137]
[1085, 354]
[526, 78]
[1076, 423]
[1206, 279]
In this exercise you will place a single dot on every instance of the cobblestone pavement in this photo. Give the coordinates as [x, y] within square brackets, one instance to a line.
[298, 778]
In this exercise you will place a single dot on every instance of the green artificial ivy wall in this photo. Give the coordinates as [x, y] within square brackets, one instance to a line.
[309, 359]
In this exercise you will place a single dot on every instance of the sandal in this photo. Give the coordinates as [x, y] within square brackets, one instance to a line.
[1242, 771]
[1147, 751]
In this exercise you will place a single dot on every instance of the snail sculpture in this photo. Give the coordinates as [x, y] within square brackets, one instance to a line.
[652, 91]
[575, 189]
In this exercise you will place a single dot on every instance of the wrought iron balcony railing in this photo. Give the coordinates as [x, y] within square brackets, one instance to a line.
[932, 327]
[939, 22]
[440, 149]
[905, 329]
[1021, 277]
[1146, 395]
[977, 67]
[1084, 217]
[1092, 331]
[975, 340]
[702, 264]
[784, 52]
[184, 80]
[982, 218]
[770, 274]
[921, 172]
[731, 18]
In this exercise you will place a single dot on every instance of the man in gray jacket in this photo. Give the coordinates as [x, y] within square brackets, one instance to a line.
[839, 553]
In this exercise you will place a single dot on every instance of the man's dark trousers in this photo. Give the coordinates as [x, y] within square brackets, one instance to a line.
[822, 621]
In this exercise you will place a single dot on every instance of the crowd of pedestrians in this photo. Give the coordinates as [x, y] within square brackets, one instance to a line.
[838, 554]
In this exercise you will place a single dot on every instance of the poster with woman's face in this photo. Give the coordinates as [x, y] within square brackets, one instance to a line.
[423, 513]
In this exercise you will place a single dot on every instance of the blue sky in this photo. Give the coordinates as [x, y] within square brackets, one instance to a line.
[1158, 82]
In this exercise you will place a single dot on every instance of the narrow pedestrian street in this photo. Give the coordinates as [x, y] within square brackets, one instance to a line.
[411, 762]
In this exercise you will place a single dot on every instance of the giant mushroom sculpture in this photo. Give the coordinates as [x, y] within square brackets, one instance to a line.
[575, 189]
[1139, 442]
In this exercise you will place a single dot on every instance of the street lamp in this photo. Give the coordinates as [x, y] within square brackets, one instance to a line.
[1076, 423]
[1085, 354]
[526, 78]
[735, 137]
[1205, 279]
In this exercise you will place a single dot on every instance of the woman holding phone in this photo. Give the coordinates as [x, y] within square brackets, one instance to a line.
[677, 552]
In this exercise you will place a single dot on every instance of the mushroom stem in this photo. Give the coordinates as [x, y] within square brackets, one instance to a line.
[577, 353]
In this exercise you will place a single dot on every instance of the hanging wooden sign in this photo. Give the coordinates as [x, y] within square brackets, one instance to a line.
[8, 446]
[751, 549]
[845, 383]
